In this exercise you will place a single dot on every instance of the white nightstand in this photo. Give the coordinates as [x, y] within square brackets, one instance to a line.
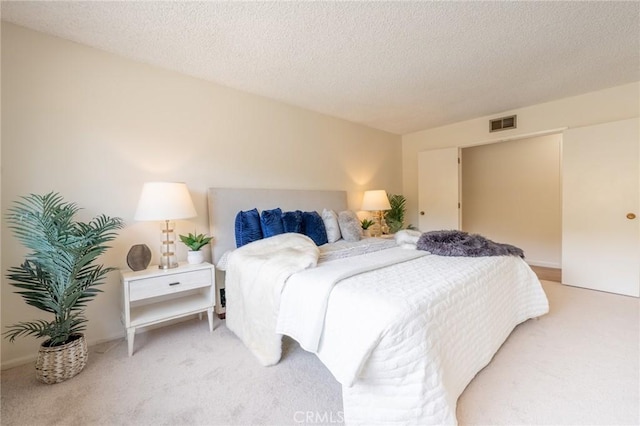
[154, 295]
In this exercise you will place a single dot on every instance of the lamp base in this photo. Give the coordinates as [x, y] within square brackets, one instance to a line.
[384, 228]
[168, 265]
[168, 248]
[380, 228]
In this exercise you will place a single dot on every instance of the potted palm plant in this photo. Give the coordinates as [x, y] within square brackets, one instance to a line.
[195, 243]
[59, 276]
[395, 216]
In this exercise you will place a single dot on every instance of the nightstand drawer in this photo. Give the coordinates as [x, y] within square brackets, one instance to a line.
[169, 284]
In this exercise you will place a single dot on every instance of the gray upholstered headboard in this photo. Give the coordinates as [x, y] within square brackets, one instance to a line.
[225, 203]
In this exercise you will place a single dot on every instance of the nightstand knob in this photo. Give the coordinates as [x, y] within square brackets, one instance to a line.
[422, 213]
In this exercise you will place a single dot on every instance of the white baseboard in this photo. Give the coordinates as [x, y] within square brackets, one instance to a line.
[18, 361]
[92, 342]
[32, 358]
[543, 264]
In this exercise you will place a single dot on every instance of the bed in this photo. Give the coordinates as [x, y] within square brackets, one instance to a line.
[403, 331]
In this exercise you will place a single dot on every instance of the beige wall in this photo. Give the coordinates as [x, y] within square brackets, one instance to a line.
[616, 103]
[95, 126]
[511, 192]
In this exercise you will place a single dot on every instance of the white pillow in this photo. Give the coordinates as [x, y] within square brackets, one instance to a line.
[222, 263]
[330, 219]
[408, 238]
[350, 226]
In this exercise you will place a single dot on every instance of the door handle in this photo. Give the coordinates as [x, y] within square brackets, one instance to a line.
[631, 216]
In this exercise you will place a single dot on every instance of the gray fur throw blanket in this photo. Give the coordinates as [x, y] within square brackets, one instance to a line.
[459, 243]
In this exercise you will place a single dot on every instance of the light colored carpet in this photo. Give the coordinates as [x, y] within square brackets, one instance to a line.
[577, 365]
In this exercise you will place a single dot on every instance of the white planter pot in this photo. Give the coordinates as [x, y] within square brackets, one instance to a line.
[195, 257]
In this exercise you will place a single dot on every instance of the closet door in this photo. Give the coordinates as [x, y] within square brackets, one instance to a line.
[439, 188]
[601, 202]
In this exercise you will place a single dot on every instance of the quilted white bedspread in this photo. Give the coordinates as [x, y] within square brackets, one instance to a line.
[303, 305]
[405, 340]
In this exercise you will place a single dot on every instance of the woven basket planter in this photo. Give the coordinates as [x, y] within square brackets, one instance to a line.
[58, 363]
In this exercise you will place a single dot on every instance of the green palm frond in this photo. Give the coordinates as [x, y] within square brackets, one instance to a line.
[56, 332]
[59, 274]
[38, 328]
[395, 216]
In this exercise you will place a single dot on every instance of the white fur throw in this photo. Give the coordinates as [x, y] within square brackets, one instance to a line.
[256, 274]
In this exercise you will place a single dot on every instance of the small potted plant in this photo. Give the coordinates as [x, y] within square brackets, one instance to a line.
[195, 243]
[366, 224]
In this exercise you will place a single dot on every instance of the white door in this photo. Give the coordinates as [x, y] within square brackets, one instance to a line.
[601, 202]
[438, 186]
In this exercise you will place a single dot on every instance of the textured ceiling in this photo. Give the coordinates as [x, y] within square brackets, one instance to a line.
[395, 66]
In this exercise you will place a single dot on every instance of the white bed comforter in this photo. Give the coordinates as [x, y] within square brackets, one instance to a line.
[432, 324]
[406, 339]
[304, 303]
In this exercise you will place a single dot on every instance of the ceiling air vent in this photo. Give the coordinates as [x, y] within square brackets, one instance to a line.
[503, 123]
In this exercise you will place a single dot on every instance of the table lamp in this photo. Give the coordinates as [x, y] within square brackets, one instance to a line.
[377, 201]
[165, 201]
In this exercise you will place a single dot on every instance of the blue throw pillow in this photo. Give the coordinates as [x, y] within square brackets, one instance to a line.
[313, 227]
[292, 221]
[248, 227]
[271, 221]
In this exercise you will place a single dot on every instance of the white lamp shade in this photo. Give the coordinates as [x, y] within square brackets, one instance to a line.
[165, 201]
[375, 200]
